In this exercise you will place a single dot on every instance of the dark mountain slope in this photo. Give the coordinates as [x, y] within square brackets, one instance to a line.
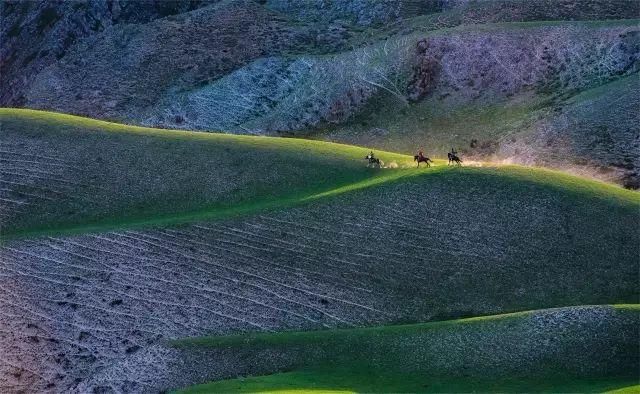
[122, 71]
[35, 34]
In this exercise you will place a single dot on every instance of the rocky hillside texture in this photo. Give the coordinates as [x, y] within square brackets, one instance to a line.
[36, 34]
[495, 79]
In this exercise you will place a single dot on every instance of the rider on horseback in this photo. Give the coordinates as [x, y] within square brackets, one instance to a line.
[453, 157]
[421, 158]
[373, 160]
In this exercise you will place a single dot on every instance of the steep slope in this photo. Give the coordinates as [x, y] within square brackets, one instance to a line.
[488, 90]
[140, 78]
[63, 172]
[36, 34]
[450, 69]
[579, 349]
[120, 72]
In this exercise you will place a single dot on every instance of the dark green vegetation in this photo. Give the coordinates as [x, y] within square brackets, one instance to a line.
[580, 349]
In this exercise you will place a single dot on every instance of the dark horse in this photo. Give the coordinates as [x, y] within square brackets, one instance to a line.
[422, 159]
[453, 158]
[373, 160]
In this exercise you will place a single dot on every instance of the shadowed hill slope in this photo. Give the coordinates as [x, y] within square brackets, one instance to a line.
[36, 34]
[122, 71]
[577, 349]
[449, 68]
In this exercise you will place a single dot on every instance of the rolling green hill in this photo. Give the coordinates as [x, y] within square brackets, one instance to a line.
[118, 238]
[579, 349]
[66, 173]
[62, 172]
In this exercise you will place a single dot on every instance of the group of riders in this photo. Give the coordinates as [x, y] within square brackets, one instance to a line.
[420, 158]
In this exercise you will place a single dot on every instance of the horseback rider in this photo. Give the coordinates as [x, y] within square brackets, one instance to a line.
[453, 157]
[421, 153]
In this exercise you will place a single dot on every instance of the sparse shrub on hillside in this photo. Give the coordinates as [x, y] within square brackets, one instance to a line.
[361, 12]
[47, 17]
[463, 67]
[279, 94]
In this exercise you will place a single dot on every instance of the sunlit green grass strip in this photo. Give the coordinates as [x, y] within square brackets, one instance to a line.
[314, 146]
[633, 389]
[333, 382]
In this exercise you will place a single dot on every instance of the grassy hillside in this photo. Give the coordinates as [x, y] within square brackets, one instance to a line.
[592, 132]
[441, 244]
[341, 246]
[65, 173]
[62, 172]
[580, 349]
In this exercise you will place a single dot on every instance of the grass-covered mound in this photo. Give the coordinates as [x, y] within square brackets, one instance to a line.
[61, 172]
[577, 349]
[367, 247]
[65, 173]
[438, 244]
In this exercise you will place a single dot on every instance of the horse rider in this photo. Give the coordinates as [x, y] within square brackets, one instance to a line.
[453, 152]
[421, 153]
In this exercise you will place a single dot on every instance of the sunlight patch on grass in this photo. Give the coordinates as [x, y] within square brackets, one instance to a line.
[635, 389]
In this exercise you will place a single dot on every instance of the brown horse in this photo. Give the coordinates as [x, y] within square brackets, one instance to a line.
[422, 159]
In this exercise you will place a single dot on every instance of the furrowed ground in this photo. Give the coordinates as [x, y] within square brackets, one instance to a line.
[95, 310]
